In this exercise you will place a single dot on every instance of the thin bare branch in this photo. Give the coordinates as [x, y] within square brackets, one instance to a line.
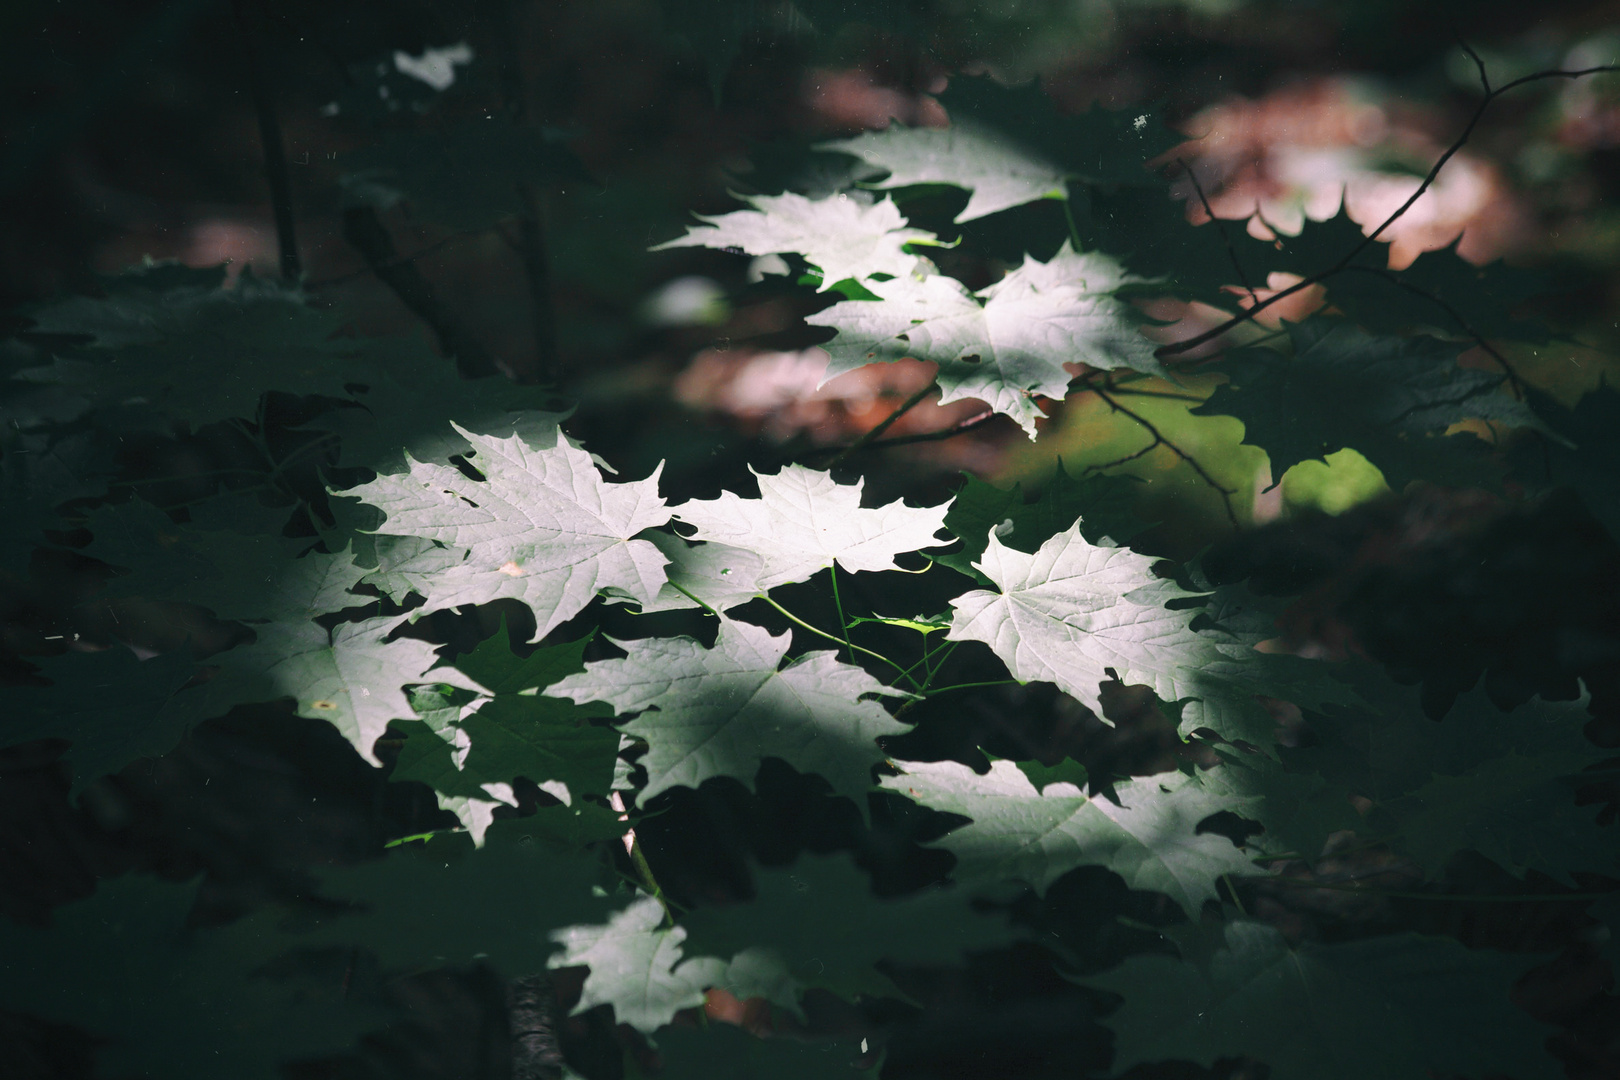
[878, 429]
[1479, 339]
[1160, 440]
[1479, 65]
[1243, 278]
[1191, 343]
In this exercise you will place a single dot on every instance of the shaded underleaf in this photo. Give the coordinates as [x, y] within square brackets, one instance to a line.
[496, 667]
[1299, 810]
[169, 1001]
[1499, 782]
[445, 902]
[1005, 344]
[816, 923]
[844, 236]
[351, 676]
[803, 521]
[236, 576]
[542, 528]
[1403, 1007]
[721, 711]
[193, 353]
[637, 966]
[113, 708]
[1100, 503]
[720, 575]
[1149, 838]
[1586, 457]
[1441, 289]
[404, 407]
[1390, 399]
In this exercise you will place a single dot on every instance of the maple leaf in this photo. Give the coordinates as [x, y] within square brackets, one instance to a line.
[402, 412]
[163, 999]
[1000, 173]
[636, 966]
[1149, 838]
[816, 923]
[1402, 1007]
[1075, 614]
[803, 521]
[197, 354]
[720, 575]
[446, 902]
[543, 527]
[1481, 778]
[721, 711]
[842, 235]
[1585, 456]
[1389, 398]
[1100, 503]
[351, 676]
[1003, 345]
[113, 708]
[236, 576]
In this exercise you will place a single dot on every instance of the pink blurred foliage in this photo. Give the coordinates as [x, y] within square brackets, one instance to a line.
[775, 395]
[1298, 151]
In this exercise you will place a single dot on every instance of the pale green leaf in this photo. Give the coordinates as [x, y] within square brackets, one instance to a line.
[996, 169]
[637, 966]
[803, 521]
[543, 527]
[1149, 838]
[844, 236]
[720, 575]
[721, 711]
[351, 676]
[1003, 345]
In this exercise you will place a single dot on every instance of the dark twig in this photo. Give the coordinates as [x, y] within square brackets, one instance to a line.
[1479, 339]
[363, 229]
[1160, 440]
[275, 153]
[883, 425]
[1238, 320]
[1243, 279]
[1479, 65]
[977, 420]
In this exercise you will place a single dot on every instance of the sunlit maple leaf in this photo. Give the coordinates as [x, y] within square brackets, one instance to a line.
[721, 711]
[542, 527]
[842, 235]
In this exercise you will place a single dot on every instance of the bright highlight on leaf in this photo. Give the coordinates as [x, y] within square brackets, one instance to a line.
[804, 521]
[842, 235]
[637, 966]
[1000, 173]
[1149, 838]
[545, 513]
[1003, 345]
[721, 711]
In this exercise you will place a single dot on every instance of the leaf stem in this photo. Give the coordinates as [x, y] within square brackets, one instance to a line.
[838, 604]
[1247, 314]
[822, 633]
[1068, 218]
